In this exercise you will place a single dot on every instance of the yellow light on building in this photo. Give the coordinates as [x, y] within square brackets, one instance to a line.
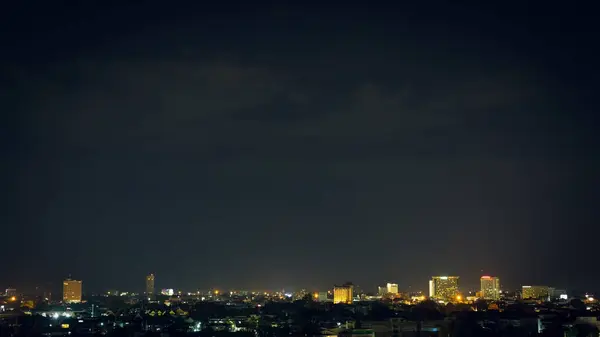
[392, 288]
[535, 292]
[64, 326]
[490, 287]
[343, 293]
[13, 298]
[458, 298]
[150, 285]
[72, 291]
[444, 287]
[418, 298]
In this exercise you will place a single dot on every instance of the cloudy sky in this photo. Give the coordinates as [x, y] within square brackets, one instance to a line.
[298, 145]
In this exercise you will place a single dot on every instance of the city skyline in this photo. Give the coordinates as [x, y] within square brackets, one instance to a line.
[487, 288]
[298, 145]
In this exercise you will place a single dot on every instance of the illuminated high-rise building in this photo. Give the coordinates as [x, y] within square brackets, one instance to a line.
[150, 285]
[431, 289]
[490, 287]
[392, 288]
[535, 292]
[343, 293]
[72, 291]
[444, 287]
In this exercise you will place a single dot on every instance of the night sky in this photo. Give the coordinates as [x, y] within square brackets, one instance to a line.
[246, 145]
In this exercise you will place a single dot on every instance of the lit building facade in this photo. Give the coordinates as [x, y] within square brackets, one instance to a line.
[392, 288]
[72, 291]
[554, 293]
[11, 292]
[150, 285]
[444, 287]
[300, 294]
[343, 294]
[167, 292]
[431, 289]
[490, 287]
[321, 296]
[535, 292]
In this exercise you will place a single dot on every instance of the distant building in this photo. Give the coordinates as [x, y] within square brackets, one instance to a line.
[392, 288]
[167, 292]
[72, 291]
[300, 294]
[150, 285]
[357, 291]
[554, 293]
[431, 289]
[535, 292]
[11, 292]
[321, 296]
[382, 291]
[490, 288]
[444, 287]
[343, 293]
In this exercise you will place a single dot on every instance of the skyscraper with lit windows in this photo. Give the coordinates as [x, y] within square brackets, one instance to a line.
[535, 292]
[444, 287]
[150, 285]
[490, 287]
[343, 293]
[72, 291]
[382, 291]
[392, 288]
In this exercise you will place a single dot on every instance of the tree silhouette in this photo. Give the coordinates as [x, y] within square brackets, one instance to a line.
[481, 305]
[578, 304]
[426, 310]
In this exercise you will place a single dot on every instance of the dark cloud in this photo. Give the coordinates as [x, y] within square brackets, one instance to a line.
[291, 151]
[171, 105]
